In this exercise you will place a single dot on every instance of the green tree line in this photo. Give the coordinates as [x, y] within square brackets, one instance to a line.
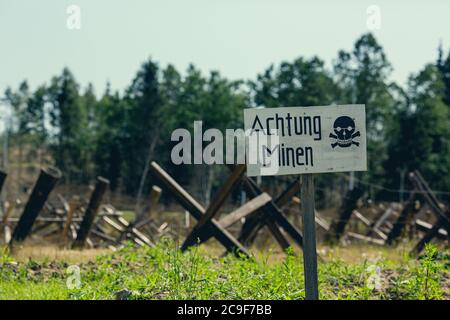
[116, 134]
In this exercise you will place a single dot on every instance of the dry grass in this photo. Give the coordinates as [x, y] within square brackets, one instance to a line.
[356, 253]
[270, 252]
[53, 253]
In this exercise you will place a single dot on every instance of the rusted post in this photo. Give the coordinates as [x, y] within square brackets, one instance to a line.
[91, 212]
[150, 208]
[442, 215]
[407, 212]
[6, 228]
[155, 194]
[429, 235]
[345, 212]
[44, 185]
[2, 179]
[69, 218]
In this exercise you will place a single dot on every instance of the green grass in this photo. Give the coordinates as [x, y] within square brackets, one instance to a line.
[166, 273]
[49, 290]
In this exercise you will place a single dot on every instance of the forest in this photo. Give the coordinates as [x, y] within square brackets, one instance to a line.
[88, 132]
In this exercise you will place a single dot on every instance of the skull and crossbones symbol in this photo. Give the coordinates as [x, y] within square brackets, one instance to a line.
[344, 132]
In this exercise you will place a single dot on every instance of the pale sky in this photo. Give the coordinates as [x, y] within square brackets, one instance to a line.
[240, 38]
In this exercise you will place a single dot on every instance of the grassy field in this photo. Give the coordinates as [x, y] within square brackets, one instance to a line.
[357, 272]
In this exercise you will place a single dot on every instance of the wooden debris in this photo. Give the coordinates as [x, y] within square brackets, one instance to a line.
[442, 215]
[337, 228]
[44, 185]
[242, 212]
[91, 212]
[214, 207]
[197, 211]
[365, 238]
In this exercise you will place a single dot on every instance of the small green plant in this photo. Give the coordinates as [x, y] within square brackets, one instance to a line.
[425, 285]
[5, 254]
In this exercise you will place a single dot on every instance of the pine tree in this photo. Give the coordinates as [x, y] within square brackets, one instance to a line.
[362, 76]
[421, 140]
[69, 119]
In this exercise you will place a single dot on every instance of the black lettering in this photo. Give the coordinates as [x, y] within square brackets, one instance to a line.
[279, 119]
[289, 118]
[298, 126]
[268, 126]
[300, 154]
[309, 156]
[254, 124]
[307, 125]
[317, 128]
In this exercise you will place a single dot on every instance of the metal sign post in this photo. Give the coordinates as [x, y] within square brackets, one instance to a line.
[309, 237]
[306, 140]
